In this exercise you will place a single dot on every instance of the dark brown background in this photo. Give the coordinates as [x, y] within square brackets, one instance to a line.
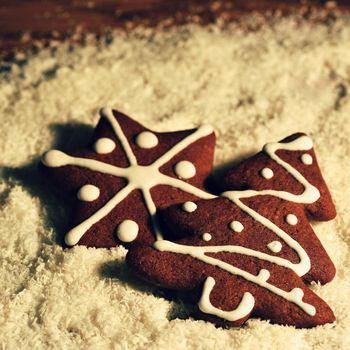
[48, 20]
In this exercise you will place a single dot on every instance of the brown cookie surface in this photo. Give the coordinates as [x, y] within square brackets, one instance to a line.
[125, 174]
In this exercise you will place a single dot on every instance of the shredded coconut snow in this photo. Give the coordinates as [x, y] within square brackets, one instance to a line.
[252, 87]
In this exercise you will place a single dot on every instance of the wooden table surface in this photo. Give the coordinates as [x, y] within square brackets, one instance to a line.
[24, 22]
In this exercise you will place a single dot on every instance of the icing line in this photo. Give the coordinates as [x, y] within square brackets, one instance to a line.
[108, 114]
[311, 194]
[245, 306]
[199, 133]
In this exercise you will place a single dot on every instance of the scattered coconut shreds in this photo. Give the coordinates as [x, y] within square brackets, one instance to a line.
[252, 87]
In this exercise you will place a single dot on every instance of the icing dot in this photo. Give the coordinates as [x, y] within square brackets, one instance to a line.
[88, 193]
[206, 237]
[291, 219]
[297, 293]
[127, 230]
[146, 139]
[185, 169]
[266, 173]
[306, 159]
[104, 145]
[236, 226]
[275, 246]
[189, 207]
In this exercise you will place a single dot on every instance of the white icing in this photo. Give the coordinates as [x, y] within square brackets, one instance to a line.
[138, 177]
[300, 268]
[306, 159]
[245, 306]
[55, 158]
[88, 193]
[127, 231]
[146, 139]
[291, 219]
[74, 235]
[189, 207]
[104, 145]
[275, 246]
[236, 226]
[310, 195]
[266, 173]
[185, 169]
[263, 275]
[199, 252]
[206, 237]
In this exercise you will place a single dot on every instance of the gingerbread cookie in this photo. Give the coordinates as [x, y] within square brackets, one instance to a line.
[250, 250]
[125, 174]
[279, 167]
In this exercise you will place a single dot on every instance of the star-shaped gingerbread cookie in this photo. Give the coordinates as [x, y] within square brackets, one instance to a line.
[125, 174]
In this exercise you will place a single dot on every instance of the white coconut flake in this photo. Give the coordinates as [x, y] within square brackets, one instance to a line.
[252, 87]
